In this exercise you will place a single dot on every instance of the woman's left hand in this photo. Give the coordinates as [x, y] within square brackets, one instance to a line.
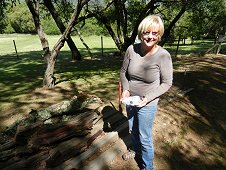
[143, 102]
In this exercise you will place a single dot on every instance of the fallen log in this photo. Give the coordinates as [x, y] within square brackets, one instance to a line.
[17, 152]
[67, 131]
[32, 162]
[72, 119]
[69, 149]
[74, 107]
[8, 145]
[76, 104]
[24, 132]
[47, 134]
[4, 164]
[58, 109]
[7, 154]
[22, 151]
[65, 150]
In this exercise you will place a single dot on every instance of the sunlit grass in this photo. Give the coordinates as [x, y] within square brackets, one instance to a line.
[198, 46]
[27, 43]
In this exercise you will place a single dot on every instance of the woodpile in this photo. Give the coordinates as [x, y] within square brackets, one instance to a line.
[48, 137]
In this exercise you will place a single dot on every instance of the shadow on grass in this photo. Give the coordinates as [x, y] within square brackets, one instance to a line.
[196, 48]
[26, 73]
[20, 75]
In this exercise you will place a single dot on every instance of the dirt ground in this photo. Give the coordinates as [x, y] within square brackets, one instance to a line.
[189, 131]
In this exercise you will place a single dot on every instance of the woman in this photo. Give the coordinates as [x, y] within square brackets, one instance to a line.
[146, 72]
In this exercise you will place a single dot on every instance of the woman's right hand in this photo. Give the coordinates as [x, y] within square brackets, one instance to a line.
[125, 94]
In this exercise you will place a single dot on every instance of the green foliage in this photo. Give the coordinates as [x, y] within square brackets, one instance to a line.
[3, 23]
[213, 17]
[64, 9]
[204, 20]
[134, 9]
[20, 19]
[92, 27]
[50, 26]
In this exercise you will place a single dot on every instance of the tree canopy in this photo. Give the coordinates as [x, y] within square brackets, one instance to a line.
[197, 18]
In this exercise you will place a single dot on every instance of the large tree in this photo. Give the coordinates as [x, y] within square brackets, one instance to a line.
[51, 56]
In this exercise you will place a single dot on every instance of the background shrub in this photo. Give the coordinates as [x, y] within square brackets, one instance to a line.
[20, 20]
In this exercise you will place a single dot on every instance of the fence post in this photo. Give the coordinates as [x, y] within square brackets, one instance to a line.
[178, 44]
[15, 49]
[220, 39]
[102, 47]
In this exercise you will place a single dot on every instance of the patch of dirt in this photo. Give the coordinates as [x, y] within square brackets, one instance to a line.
[189, 131]
[36, 100]
[190, 126]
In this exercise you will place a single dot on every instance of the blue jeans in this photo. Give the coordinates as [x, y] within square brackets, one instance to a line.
[140, 126]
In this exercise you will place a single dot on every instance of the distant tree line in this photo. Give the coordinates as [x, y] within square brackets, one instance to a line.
[200, 19]
[18, 19]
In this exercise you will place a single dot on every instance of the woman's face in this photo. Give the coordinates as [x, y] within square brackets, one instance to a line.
[150, 37]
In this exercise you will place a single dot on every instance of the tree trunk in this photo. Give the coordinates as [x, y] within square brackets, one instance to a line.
[34, 9]
[178, 44]
[171, 25]
[49, 80]
[84, 43]
[74, 50]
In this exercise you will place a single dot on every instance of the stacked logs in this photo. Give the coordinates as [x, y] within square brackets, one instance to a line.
[48, 137]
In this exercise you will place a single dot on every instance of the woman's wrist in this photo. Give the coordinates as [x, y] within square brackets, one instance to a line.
[125, 93]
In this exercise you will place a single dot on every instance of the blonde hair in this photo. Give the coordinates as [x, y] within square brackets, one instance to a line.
[153, 22]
